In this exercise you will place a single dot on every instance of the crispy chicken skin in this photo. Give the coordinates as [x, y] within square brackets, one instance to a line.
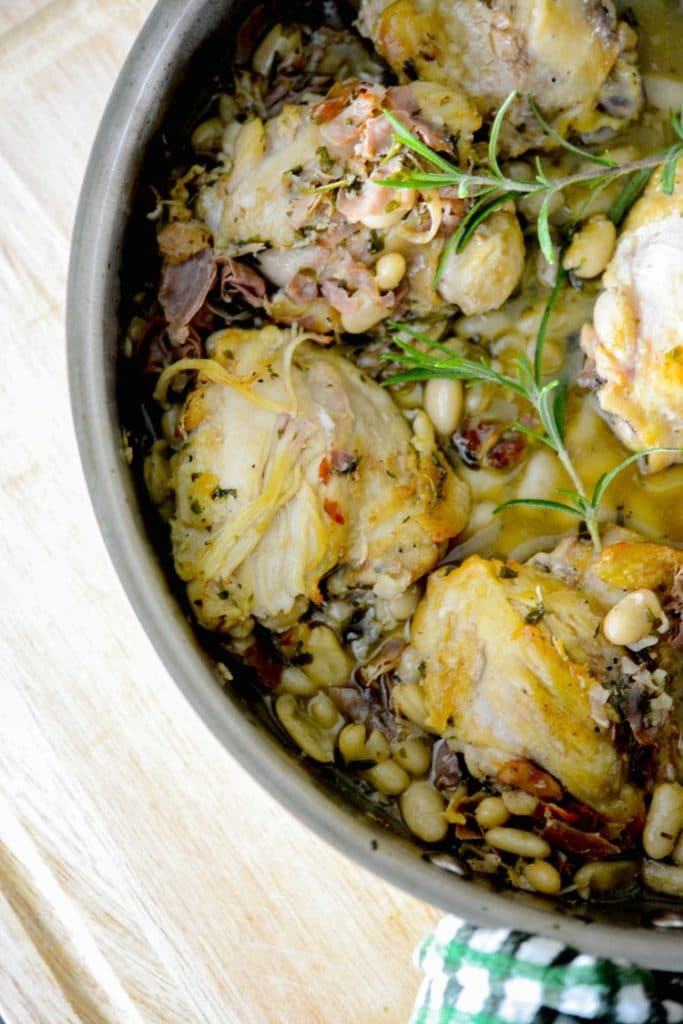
[635, 344]
[561, 52]
[293, 465]
[511, 659]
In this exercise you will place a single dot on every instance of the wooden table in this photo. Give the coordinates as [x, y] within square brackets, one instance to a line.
[145, 877]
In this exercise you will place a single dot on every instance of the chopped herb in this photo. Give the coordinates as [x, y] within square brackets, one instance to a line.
[507, 573]
[196, 508]
[535, 615]
[223, 492]
[376, 243]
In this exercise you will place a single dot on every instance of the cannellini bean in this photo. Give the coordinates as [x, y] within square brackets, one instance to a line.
[591, 248]
[318, 743]
[329, 665]
[664, 820]
[519, 842]
[663, 877]
[208, 134]
[423, 809]
[294, 681]
[389, 778]
[632, 618]
[323, 711]
[413, 755]
[519, 803]
[477, 397]
[602, 877]
[377, 746]
[352, 742]
[491, 812]
[281, 39]
[389, 270]
[543, 877]
[409, 701]
[444, 402]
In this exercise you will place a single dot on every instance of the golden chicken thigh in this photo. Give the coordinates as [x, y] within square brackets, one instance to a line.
[514, 659]
[562, 53]
[292, 465]
[635, 344]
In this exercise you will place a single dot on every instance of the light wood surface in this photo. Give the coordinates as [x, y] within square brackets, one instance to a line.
[144, 876]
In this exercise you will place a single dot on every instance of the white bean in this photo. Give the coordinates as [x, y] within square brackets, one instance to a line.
[444, 402]
[329, 665]
[423, 809]
[601, 877]
[491, 812]
[377, 746]
[543, 877]
[664, 820]
[389, 778]
[323, 711]
[663, 877]
[316, 742]
[413, 755]
[408, 699]
[515, 840]
[294, 681]
[389, 270]
[591, 248]
[352, 742]
[518, 802]
[632, 618]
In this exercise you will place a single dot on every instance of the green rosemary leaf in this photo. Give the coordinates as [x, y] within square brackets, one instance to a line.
[543, 229]
[396, 325]
[535, 434]
[560, 406]
[419, 180]
[676, 120]
[555, 506]
[635, 184]
[474, 219]
[495, 133]
[592, 196]
[607, 478]
[545, 403]
[406, 137]
[603, 161]
[541, 176]
[525, 372]
[669, 170]
[578, 500]
[560, 278]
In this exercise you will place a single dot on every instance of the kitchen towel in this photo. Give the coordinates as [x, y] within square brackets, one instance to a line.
[497, 976]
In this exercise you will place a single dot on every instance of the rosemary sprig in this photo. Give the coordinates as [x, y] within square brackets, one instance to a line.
[491, 188]
[548, 399]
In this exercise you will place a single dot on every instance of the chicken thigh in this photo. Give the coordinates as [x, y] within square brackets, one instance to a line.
[564, 53]
[635, 344]
[293, 466]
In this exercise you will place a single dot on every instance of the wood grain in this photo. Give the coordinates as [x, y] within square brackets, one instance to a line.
[145, 877]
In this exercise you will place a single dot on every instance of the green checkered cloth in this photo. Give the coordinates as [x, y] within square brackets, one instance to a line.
[496, 976]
